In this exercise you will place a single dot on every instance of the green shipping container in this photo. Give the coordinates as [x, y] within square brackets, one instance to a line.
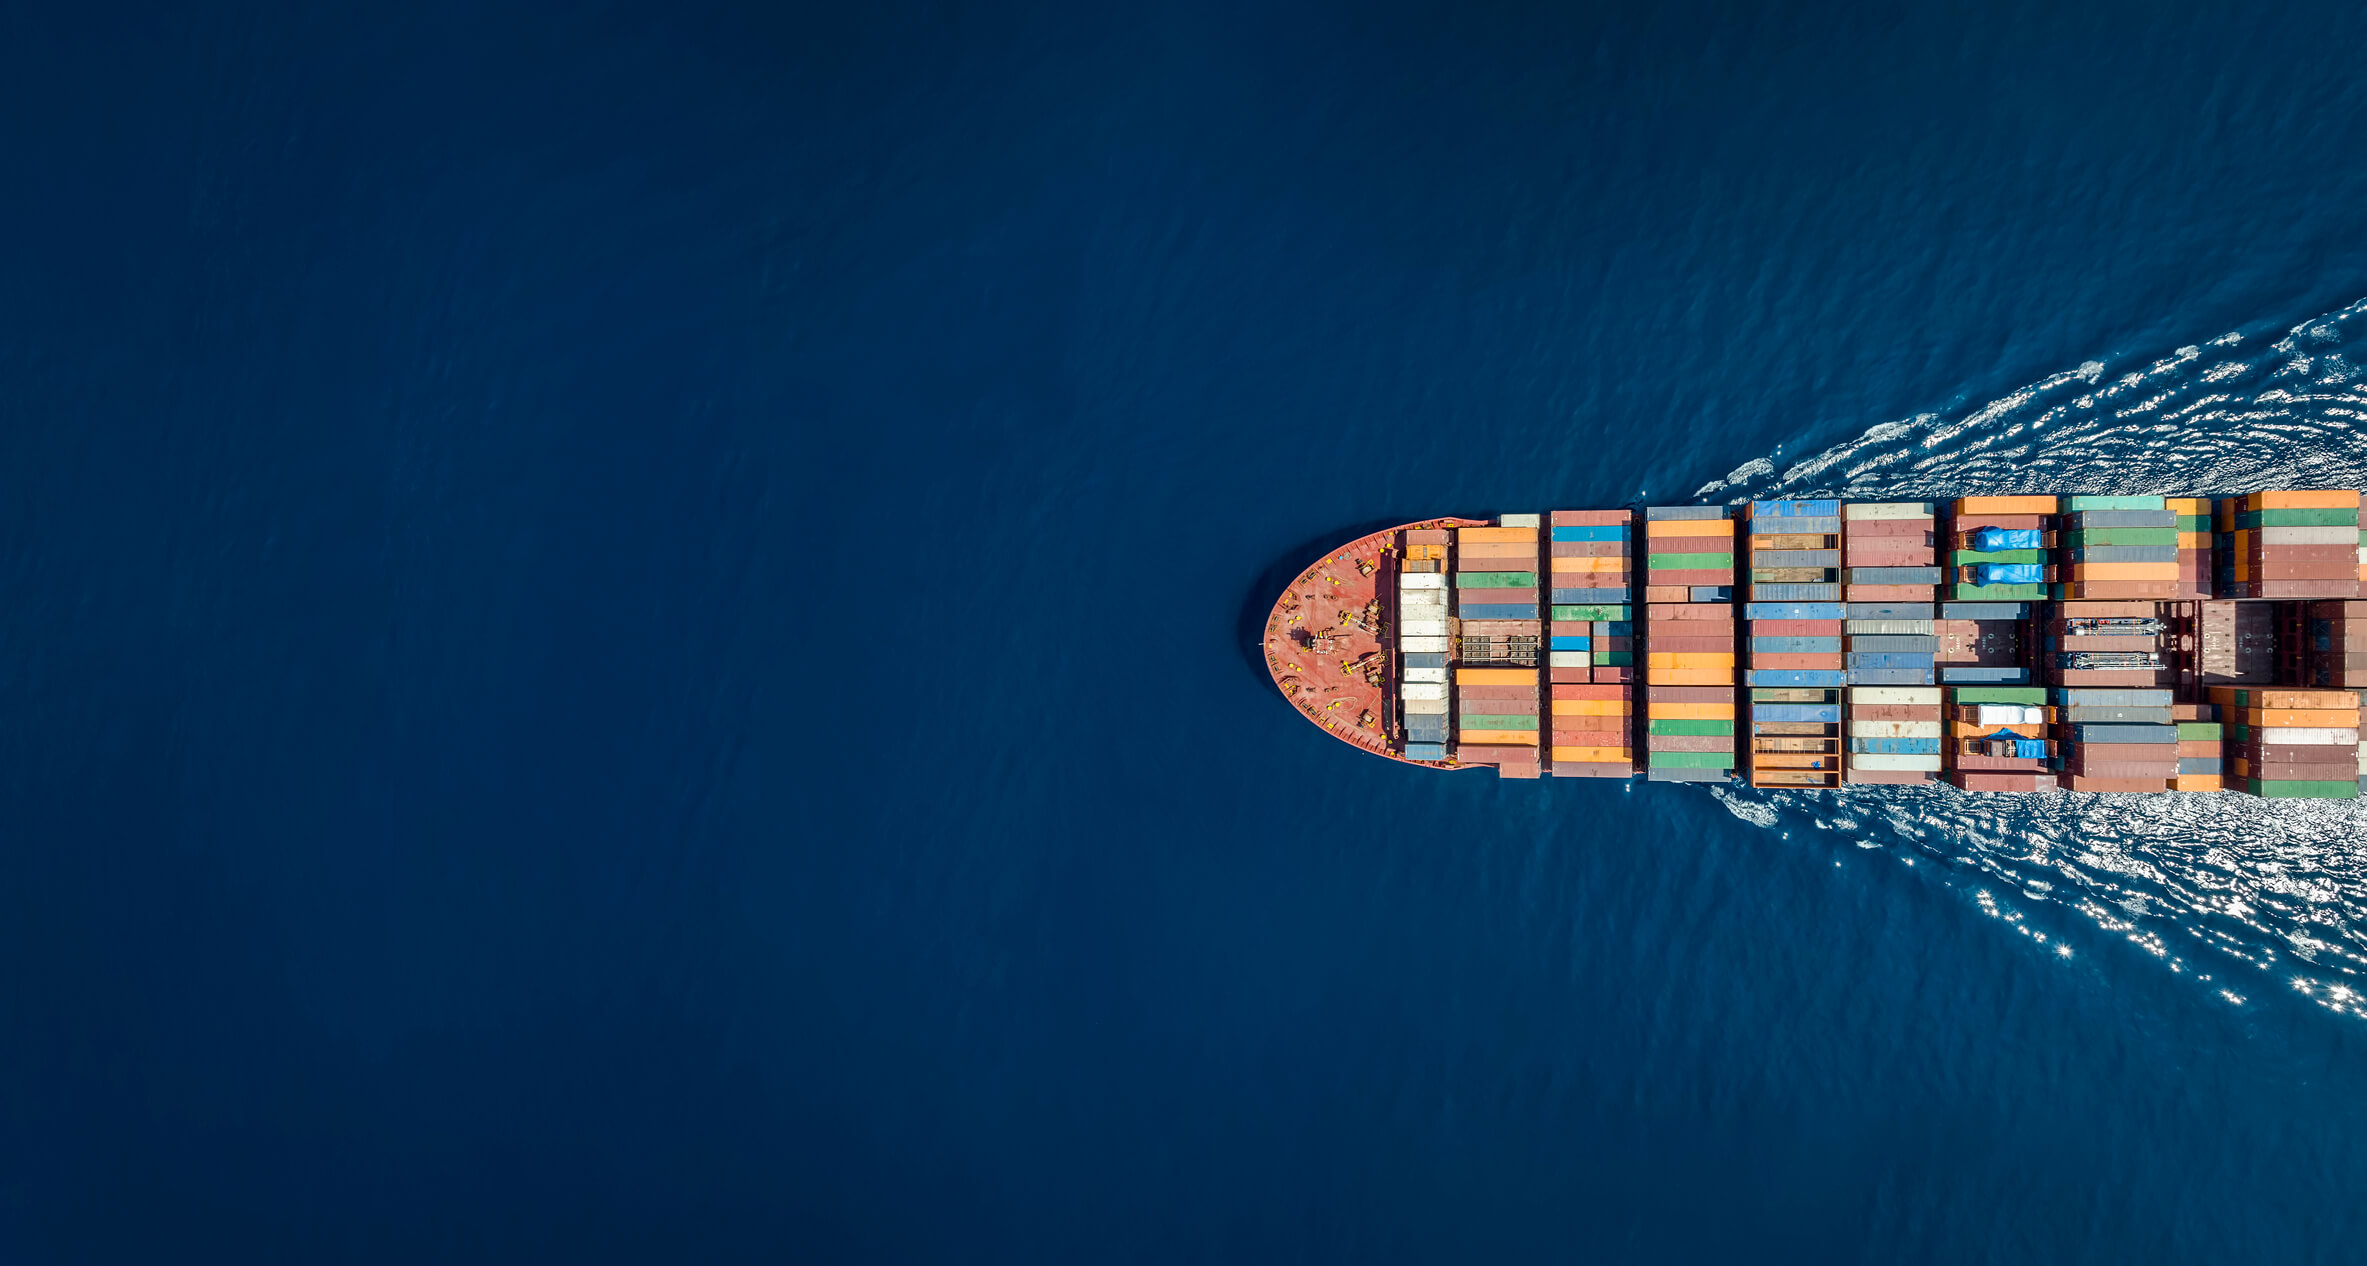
[1590, 614]
[2194, 523]
[1497, 721]
[2122, 536]
[1967, 557]
[1614, 659]
[1495, 580]
[1691, 760]
[1691, 729]
[1689, 562]
[1998, 694]
[2199, 730]
[2298, 518]
[1998, 593]
[2302, 790]
[2073, 505]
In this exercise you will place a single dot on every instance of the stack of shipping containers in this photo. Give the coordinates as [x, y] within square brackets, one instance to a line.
[2202, 748]
[2338, 655]
[2194, 546]
[1998, 738]
[2116, 738]
[1422, 644]
[2117, 548]
[1499, 646]
[2289, 545]
[1891, 553]
[1796, 663]
[1997, 548]
[1591, 659]
[2288, 744]
[1689, 725]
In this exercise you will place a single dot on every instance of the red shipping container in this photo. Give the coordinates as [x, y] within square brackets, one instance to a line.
[1894, 712]
[1688, 743]
[1795, 662]
[1690, 578]
[1592, 518]
[1795, 628]
[1590, 549]
[1701, 612]
[2011, 783]
[1615, 672]
[1890, 529]
[2132, 786]
[1600, 694]
[1887, 593]
[1666, 644]
[1688, 694]
[1571, 674]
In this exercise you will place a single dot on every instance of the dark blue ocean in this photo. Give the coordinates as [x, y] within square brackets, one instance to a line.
[626, 632]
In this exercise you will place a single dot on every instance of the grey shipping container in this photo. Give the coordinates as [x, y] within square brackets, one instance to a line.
[1795, 593]
[2199, 765]
[1927, 645]
[1915, 628]
[1685, 512]
[1795, 558]
[2103, 697]
[1984, 610]
[1894, 575]
[1970, 674]
[2126, 716]
[2121, 519]
[2125, 733]
[1425, 659]
[1686, 775]
[1889, 611]
[1795, 527]
[1892, 677]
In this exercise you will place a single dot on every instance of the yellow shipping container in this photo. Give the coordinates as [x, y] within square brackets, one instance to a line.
[2335, 499]
[1594, 755]
[1691, 676]
[1689, 659]
[1593, 708]
[2300, 718]
[1499, 738]
[2284, 697]
[2188, 507]
[1488, 549]
[2005, 505]
[1495, 676]
[1690, 711]
[1466, 536]
[2194, 540]
[1690, 527]
[1590, 565]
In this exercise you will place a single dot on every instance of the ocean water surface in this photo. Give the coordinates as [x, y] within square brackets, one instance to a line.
[629, 632]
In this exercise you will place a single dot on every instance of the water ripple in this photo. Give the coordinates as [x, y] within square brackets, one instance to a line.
[2251, 899]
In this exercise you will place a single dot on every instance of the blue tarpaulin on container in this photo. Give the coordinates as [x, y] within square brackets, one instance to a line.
[1990, 540]
[2009, 574]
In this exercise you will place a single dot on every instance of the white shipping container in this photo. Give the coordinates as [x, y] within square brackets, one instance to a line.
[1434, 598]
[1423, 645]
[1424, 628]
[1424, 707]
[1878, 760]
[2008, 714]
[2308, 738]
[1422, 580]
[1896, 696]
[1422, 690]
[1569, 659]
[1907, 628]
[1426, 674]
[1520, 520]
[2308, 535]
[1887, 510]
[1894, 729]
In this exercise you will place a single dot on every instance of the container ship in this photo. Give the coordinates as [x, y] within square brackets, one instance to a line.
[1994, 643]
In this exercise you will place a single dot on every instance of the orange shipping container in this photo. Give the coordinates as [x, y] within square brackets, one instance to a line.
[1690, 711]
[1495, 676]
[1691, 676]
[1508, 738]
[1689, 527]
[2005, 505]
[2299, 718]
[1593, 708]
[1585, 755]
[2336, 499]
[1690, 659]
[1590, 564]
